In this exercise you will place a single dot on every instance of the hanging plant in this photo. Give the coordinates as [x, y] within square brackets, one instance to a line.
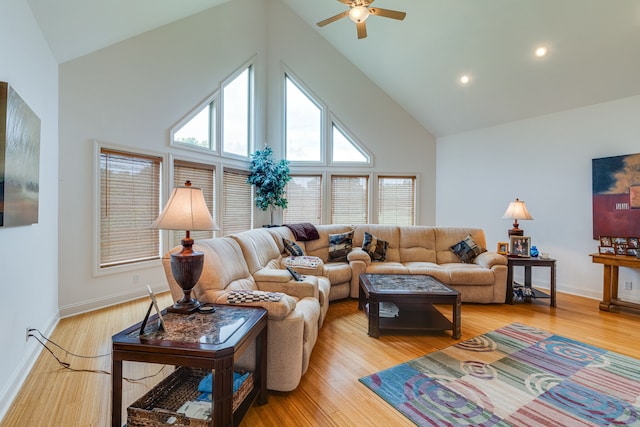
[270, 179]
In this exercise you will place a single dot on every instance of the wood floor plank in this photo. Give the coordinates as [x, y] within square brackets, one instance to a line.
[329, 393]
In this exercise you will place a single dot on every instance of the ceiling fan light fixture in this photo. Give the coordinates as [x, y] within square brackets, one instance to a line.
[358, 14]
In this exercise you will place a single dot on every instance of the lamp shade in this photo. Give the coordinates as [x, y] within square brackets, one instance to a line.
[185, 210]
[517, 210]
[358, 14]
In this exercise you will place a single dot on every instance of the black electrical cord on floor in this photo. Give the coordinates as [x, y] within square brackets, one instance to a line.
[67, 366]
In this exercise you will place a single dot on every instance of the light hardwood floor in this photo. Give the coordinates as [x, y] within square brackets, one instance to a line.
[329, 394]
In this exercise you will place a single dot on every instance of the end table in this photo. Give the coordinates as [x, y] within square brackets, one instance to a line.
[200, 340]
[528, 263]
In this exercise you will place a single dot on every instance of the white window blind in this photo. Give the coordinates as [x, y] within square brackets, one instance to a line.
[238, 202]
[201, 176]
[349, 199]
[129, 203]
[396, 200]
[304, 199]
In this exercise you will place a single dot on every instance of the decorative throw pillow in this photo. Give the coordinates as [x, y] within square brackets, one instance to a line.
[376, 248]
[340, 245]
[292, 248]
[467, 249]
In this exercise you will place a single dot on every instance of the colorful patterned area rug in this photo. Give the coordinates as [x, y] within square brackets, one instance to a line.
[515, 376]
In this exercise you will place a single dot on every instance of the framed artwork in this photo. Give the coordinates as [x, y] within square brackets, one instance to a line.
[503, 248]
[19, 160]
[616, 196]
[607, 250]
[606, 241]
[520, 246]
[632, 252]
[632, 242]
[619, 241]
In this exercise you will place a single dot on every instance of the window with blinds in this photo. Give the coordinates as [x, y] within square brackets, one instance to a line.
[237, 210]
[396, 200]
[349, 199]
[201, 176]
[304, 199]
[129, 203]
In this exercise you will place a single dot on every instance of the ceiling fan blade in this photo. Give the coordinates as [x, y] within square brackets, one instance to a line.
[362, 29]
[394, 14]
[333, 19]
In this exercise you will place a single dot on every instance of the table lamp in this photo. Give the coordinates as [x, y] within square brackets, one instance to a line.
[186, 210]
[515, 211]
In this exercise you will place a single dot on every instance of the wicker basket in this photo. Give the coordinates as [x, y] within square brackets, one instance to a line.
[161, 403]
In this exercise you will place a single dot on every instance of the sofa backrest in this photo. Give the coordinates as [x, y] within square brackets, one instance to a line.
[259, 249]
[389, 233]
[417, 243]
[449, 236]
[224, 269]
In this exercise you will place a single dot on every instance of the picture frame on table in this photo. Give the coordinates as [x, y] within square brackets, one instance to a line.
[619, 241]
[633, 252]
[503, 248]
[606, 241]
[632, 242]
[610, 250]
[520, 246]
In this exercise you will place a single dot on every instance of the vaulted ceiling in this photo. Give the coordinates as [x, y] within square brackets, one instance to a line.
[593, 50]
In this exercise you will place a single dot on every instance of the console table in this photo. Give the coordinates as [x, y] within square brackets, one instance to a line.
[201, 340]
[528, 263]
[611, 265]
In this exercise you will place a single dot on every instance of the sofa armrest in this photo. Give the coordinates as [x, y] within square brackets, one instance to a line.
[358, 254]
[307, 287]
[278, 305]
[272, 275]
[490, 259]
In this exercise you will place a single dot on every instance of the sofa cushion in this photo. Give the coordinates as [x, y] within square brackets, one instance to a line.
[292, 248]
[467, 249]
[337, 272]
[376, 248]
[339, 246]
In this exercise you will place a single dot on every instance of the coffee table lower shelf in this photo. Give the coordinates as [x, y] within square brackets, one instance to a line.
[416, 318]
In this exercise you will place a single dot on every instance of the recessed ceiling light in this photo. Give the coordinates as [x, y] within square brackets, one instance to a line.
[541, 51]
[465, 79]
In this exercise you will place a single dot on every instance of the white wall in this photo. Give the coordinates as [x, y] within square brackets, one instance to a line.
[546, 162]
[28, 255]
[132, 93]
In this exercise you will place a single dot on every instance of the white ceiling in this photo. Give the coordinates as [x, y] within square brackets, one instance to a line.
[594, 50]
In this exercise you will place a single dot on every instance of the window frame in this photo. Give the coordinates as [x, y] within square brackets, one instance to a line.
[323, 114]
[196, 163]
[369, 194]
[250, 66]
[379, 176]
[214, 120]
[97, 270]
[334, 122]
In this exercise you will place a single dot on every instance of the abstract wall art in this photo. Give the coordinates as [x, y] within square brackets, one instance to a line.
[616, 196]
[19, 160]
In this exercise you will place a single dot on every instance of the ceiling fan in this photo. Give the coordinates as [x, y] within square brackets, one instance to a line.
[359, 11]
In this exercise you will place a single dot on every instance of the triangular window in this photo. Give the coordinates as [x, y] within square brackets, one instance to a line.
[344, 149]
[198, 129]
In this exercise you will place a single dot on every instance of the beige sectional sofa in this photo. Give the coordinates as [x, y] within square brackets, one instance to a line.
[255, 261]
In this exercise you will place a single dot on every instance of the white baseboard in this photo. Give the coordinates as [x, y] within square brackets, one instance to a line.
[9, 393]
[107, 301]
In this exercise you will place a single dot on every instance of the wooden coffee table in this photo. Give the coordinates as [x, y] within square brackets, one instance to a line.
[414, 295]
[200, 340]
